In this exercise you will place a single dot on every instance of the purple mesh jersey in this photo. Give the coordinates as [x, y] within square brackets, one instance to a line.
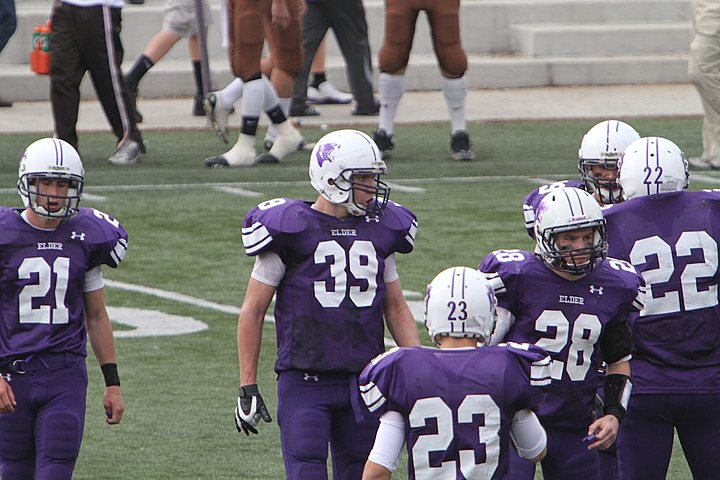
[328, 306]
[535, 197]
[566, 318]
[42, 275]
[672, 240]
[458, 404]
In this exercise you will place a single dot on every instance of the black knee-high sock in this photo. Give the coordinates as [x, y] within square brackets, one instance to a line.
[198, 78]
[142, 65]
[317, 79]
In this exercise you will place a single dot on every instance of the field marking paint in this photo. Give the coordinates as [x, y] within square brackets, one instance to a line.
[303, 183]
[152, 323]
[134, 319]
[241, 192]
[404, 188]
[541, 181]
[93, 198]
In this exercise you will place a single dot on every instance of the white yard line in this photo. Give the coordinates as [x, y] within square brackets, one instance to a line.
[240, 192]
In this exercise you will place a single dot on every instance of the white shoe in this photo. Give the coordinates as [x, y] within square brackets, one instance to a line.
[242, 154]
[218, 115]
[288, 140]
[327, 93]
[129, 152]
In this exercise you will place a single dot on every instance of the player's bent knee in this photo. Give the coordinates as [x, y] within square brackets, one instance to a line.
[453, 62]
[393, 60]
[61, 434]
[288, 61]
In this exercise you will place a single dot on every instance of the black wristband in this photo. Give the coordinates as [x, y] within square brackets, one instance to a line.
[110, 372]
[249, 390]
[617, 389]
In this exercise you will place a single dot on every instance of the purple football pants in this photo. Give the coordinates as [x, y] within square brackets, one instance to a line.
[314, 411]
[41, 439]
[646, 435]
[567, 458]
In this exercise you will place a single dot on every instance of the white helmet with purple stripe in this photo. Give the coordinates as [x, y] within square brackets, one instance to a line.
[55, 159]
[460, 303]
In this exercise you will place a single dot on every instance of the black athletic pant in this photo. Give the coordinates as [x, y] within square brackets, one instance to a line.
[347, 19]
[87, 39]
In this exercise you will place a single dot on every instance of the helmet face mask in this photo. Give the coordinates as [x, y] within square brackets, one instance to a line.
[50, 159]
[570, 231]
[602, 146]
[460, 303]
[340, 166]
[653, 165]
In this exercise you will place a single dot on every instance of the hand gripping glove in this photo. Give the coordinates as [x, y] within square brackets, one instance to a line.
[250, 409]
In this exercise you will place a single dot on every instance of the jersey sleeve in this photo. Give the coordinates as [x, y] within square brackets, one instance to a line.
[267, 226]
[403, 223]
[109, 240]
[501, 268]
[376, 380]
[530, 372]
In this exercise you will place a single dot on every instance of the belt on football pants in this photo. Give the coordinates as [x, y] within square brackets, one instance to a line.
[39, 361]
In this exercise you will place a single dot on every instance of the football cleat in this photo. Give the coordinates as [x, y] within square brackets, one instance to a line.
[129, 152]
[287, 141]
[460, 146]
[218, 115]
[384, 142]
[327, 93]
[304, 145]
[218, 161]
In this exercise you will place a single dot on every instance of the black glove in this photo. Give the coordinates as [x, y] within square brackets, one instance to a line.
[250, 409]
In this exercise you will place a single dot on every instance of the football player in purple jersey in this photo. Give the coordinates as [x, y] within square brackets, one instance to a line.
[456, 408]
[51, 302]
[671, 237]
[598, 155]
[331, 266]
[571, 300]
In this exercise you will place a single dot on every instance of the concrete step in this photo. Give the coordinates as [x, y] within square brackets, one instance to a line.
[174, 78]
[545, 39]
[506, 40]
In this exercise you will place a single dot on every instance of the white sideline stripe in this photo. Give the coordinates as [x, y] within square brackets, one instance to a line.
[94, 198]
[540, 180]
[241, 192]
[303, 183]
[404, 188]
[704, 178]
[218, 307]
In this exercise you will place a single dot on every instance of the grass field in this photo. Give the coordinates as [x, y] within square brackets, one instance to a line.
[186, 259]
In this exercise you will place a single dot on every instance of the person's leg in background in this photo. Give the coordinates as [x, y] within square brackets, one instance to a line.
[8, 24]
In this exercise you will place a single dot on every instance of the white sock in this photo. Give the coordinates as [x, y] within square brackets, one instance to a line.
[252, 101]
[391, 89]
[454, 90]
[230, 94]
[270, 95]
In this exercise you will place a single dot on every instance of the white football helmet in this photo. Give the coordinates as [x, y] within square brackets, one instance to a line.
[602, 146]
[460, 303]
[652, 165]
[336, 158]
[565, 210]
[50, 158]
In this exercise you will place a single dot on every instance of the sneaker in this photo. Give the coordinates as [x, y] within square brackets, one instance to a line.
[373, 110]
[133, 103]
[704, 163]
[218, 115]
[303, 110]
[129, 152]
[460, 146]
[384, 142]
[327, 93]
[198, 110]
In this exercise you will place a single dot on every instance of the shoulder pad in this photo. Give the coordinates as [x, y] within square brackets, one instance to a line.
[271, 219]
[107, 236]
[537, 357]
[399, 219]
